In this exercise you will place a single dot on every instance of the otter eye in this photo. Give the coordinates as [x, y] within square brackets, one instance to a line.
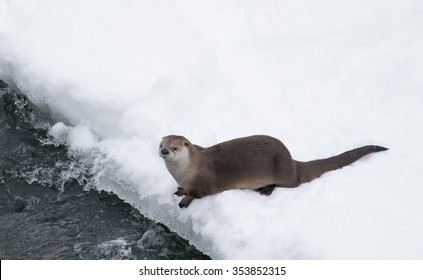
[175, 148]
[186, 144]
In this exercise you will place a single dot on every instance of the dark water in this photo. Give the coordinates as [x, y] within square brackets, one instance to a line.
[48, 210]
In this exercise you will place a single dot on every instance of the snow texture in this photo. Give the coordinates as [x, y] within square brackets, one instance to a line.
[323, 76]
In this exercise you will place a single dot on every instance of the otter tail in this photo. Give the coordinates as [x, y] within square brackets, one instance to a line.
[307, 171]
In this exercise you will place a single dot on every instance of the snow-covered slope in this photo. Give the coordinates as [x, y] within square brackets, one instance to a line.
[322, 76]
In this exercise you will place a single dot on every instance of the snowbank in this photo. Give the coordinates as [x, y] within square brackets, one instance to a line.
[323, 77]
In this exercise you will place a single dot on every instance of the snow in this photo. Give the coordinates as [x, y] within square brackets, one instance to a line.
[322, 76]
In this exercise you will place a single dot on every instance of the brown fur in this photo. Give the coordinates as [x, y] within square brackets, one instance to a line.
[256, 162]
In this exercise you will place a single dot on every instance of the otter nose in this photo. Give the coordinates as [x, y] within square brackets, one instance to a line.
[164, 151]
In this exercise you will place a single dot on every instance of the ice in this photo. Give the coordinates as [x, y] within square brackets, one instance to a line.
[322, 76]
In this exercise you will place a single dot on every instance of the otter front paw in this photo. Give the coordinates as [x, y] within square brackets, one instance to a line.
[185, 202]
[181, 191]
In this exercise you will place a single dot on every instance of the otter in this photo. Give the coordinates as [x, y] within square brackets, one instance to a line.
[257, 162]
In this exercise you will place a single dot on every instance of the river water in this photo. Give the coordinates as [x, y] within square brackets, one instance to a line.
[48, 208]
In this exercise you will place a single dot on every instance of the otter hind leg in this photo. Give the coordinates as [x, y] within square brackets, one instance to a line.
[266, 190]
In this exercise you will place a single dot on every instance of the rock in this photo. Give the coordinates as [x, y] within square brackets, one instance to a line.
[3, 84]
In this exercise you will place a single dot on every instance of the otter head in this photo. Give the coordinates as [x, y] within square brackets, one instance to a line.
[174, 148]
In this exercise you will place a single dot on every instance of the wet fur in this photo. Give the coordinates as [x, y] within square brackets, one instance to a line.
[256, 162]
